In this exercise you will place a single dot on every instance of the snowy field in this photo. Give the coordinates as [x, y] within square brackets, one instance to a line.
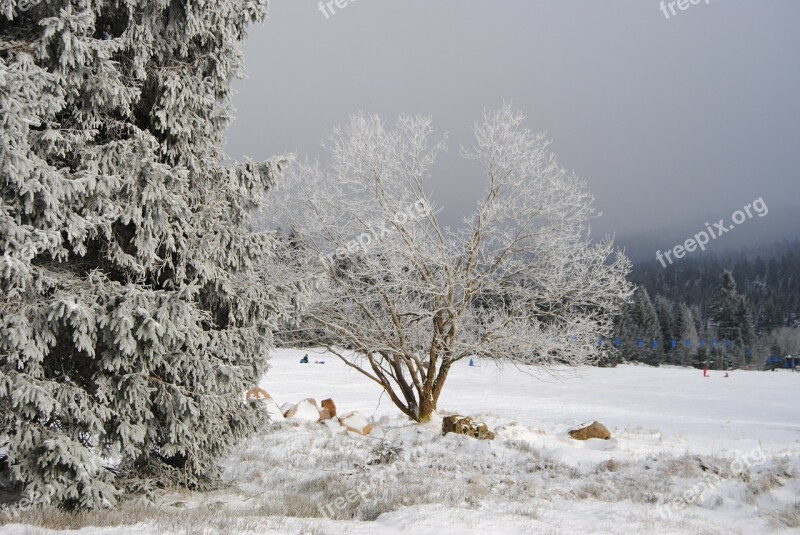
[688, 455]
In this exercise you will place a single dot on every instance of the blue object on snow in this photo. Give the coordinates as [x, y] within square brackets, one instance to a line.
[471, 362]
[304, 360]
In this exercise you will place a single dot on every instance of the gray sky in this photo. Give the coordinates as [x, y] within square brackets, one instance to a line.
[668, 120]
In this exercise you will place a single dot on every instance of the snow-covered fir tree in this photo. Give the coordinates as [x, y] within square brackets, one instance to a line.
[638, 327]
[731, 313]
[687, 333]
[134, 312]
[666, 320]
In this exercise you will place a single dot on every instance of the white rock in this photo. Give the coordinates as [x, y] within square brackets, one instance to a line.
[305, 411]
[356, 423]
[275, 413]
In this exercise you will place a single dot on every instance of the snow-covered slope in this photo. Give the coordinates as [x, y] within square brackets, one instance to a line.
[688, 454]
[647, 409]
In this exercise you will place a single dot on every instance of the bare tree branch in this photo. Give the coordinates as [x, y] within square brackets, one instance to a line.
[520, 281]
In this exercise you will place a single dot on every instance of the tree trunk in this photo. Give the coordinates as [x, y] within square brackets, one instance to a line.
[431, 391]
[404, 394]
[427, 407]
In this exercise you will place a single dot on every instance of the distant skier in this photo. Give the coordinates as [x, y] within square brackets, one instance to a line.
[304, 360]
[705, 372]
[471, 362]
[726, 375]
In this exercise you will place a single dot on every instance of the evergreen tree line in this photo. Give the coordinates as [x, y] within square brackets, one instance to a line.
[734, 309]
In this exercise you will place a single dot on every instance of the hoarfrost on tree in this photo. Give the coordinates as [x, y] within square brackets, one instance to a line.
[521, 280]
[135, 309]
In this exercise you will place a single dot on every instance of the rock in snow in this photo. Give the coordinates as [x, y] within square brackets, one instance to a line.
[275, 413]
[330, 406]
[306, 411]
[590, 430]
[356, 423]
[257, 393]
[464, 425]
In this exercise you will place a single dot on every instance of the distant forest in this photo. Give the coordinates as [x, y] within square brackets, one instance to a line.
[720, 310]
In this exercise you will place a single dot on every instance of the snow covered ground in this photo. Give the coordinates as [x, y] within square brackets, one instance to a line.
[665, 410]
[688, 455]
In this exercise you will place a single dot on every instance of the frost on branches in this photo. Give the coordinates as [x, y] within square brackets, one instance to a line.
[520, 280]
[134, 312]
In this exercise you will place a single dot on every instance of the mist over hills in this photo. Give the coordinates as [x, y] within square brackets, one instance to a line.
[781, 223]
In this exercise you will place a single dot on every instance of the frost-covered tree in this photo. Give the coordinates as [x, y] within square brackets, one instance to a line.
[402, 298]
[637, 327]
[134, 311]
[687, 332]
[731, 314]
[667, 321]
[783, 341]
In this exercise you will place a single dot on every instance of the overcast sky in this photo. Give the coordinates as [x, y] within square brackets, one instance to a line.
[668, 120]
